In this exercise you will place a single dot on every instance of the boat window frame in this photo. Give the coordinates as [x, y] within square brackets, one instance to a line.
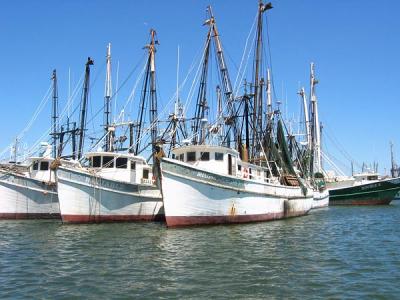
[218, 156]
[205, 156]
[109, 164]
[35, 166]
[190, 156]
[97, 159]
[124, 164]
[46, 166]
[182, 157]
[147, 172]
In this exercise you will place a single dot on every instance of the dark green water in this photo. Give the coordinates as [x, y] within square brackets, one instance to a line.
[340, 252]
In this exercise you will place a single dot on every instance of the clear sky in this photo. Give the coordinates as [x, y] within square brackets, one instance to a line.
[355, 45]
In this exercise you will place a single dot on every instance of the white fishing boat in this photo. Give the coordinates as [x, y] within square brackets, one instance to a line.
[208, 181]
[29, 191]
[211, 185]
[114, 187]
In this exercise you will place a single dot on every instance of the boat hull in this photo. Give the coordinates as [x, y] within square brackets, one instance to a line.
[321, 199]
[85, 198]
[376, 193]
[209, 198]
[26, 198]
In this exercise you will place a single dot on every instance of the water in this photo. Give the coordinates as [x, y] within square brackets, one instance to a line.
[340, 252]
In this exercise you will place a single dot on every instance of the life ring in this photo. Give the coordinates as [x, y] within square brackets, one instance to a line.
[245, 173]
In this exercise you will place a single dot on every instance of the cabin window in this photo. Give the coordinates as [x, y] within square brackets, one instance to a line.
[145, 174]
[374, 177]
[121, 162]
[191, 156]
[205, 156]
[133, 165]
[96, 161]
[219, 156]
[35, 165]
[44, 166]
[108, 162]
[182, 157]
[173, 156]
[239, 167]
[229, 164]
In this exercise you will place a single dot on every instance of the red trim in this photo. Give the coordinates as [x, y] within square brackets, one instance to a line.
[27, 216]
[177, 221]
[111, 218]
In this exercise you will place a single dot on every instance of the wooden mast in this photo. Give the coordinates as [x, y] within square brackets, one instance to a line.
[54, 114]
[84, 104]
[108, 145]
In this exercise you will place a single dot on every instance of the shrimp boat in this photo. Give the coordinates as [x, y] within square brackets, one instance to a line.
[29, 191]
[216, 187]
[206, 183]
[115, 186]
[367, 189]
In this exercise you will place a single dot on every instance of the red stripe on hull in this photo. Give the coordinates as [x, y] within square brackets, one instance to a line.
[111, 218]
[28, 216]
[213, 220]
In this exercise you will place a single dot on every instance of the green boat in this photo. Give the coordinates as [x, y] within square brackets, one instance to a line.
[366, 192]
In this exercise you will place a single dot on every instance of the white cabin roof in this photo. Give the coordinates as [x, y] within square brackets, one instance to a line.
[130, 156]
[205, 148]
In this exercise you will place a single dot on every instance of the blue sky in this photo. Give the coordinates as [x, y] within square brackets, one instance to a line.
[354, 44]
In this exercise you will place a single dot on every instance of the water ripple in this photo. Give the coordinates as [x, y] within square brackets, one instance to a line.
[348, 252]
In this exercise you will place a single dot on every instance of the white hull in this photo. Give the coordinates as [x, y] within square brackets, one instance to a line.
[208, 198]
[321, 199]
[85, 198]
[27, 198]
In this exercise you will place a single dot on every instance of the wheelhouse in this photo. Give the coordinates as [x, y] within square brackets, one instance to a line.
[40, 168]
[221, 160]
[121, 166]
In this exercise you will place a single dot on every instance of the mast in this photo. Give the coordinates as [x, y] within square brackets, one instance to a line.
[269, 98]
[107, 102]
[257, 114]
[303, 96]
[84, 104]
[153, 95]
[201, 103]
[149, 82]
[226, 81]
[394, 170]
[54, 114]
[316, 132]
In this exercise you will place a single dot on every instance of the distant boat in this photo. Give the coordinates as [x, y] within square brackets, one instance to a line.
[366, 189]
